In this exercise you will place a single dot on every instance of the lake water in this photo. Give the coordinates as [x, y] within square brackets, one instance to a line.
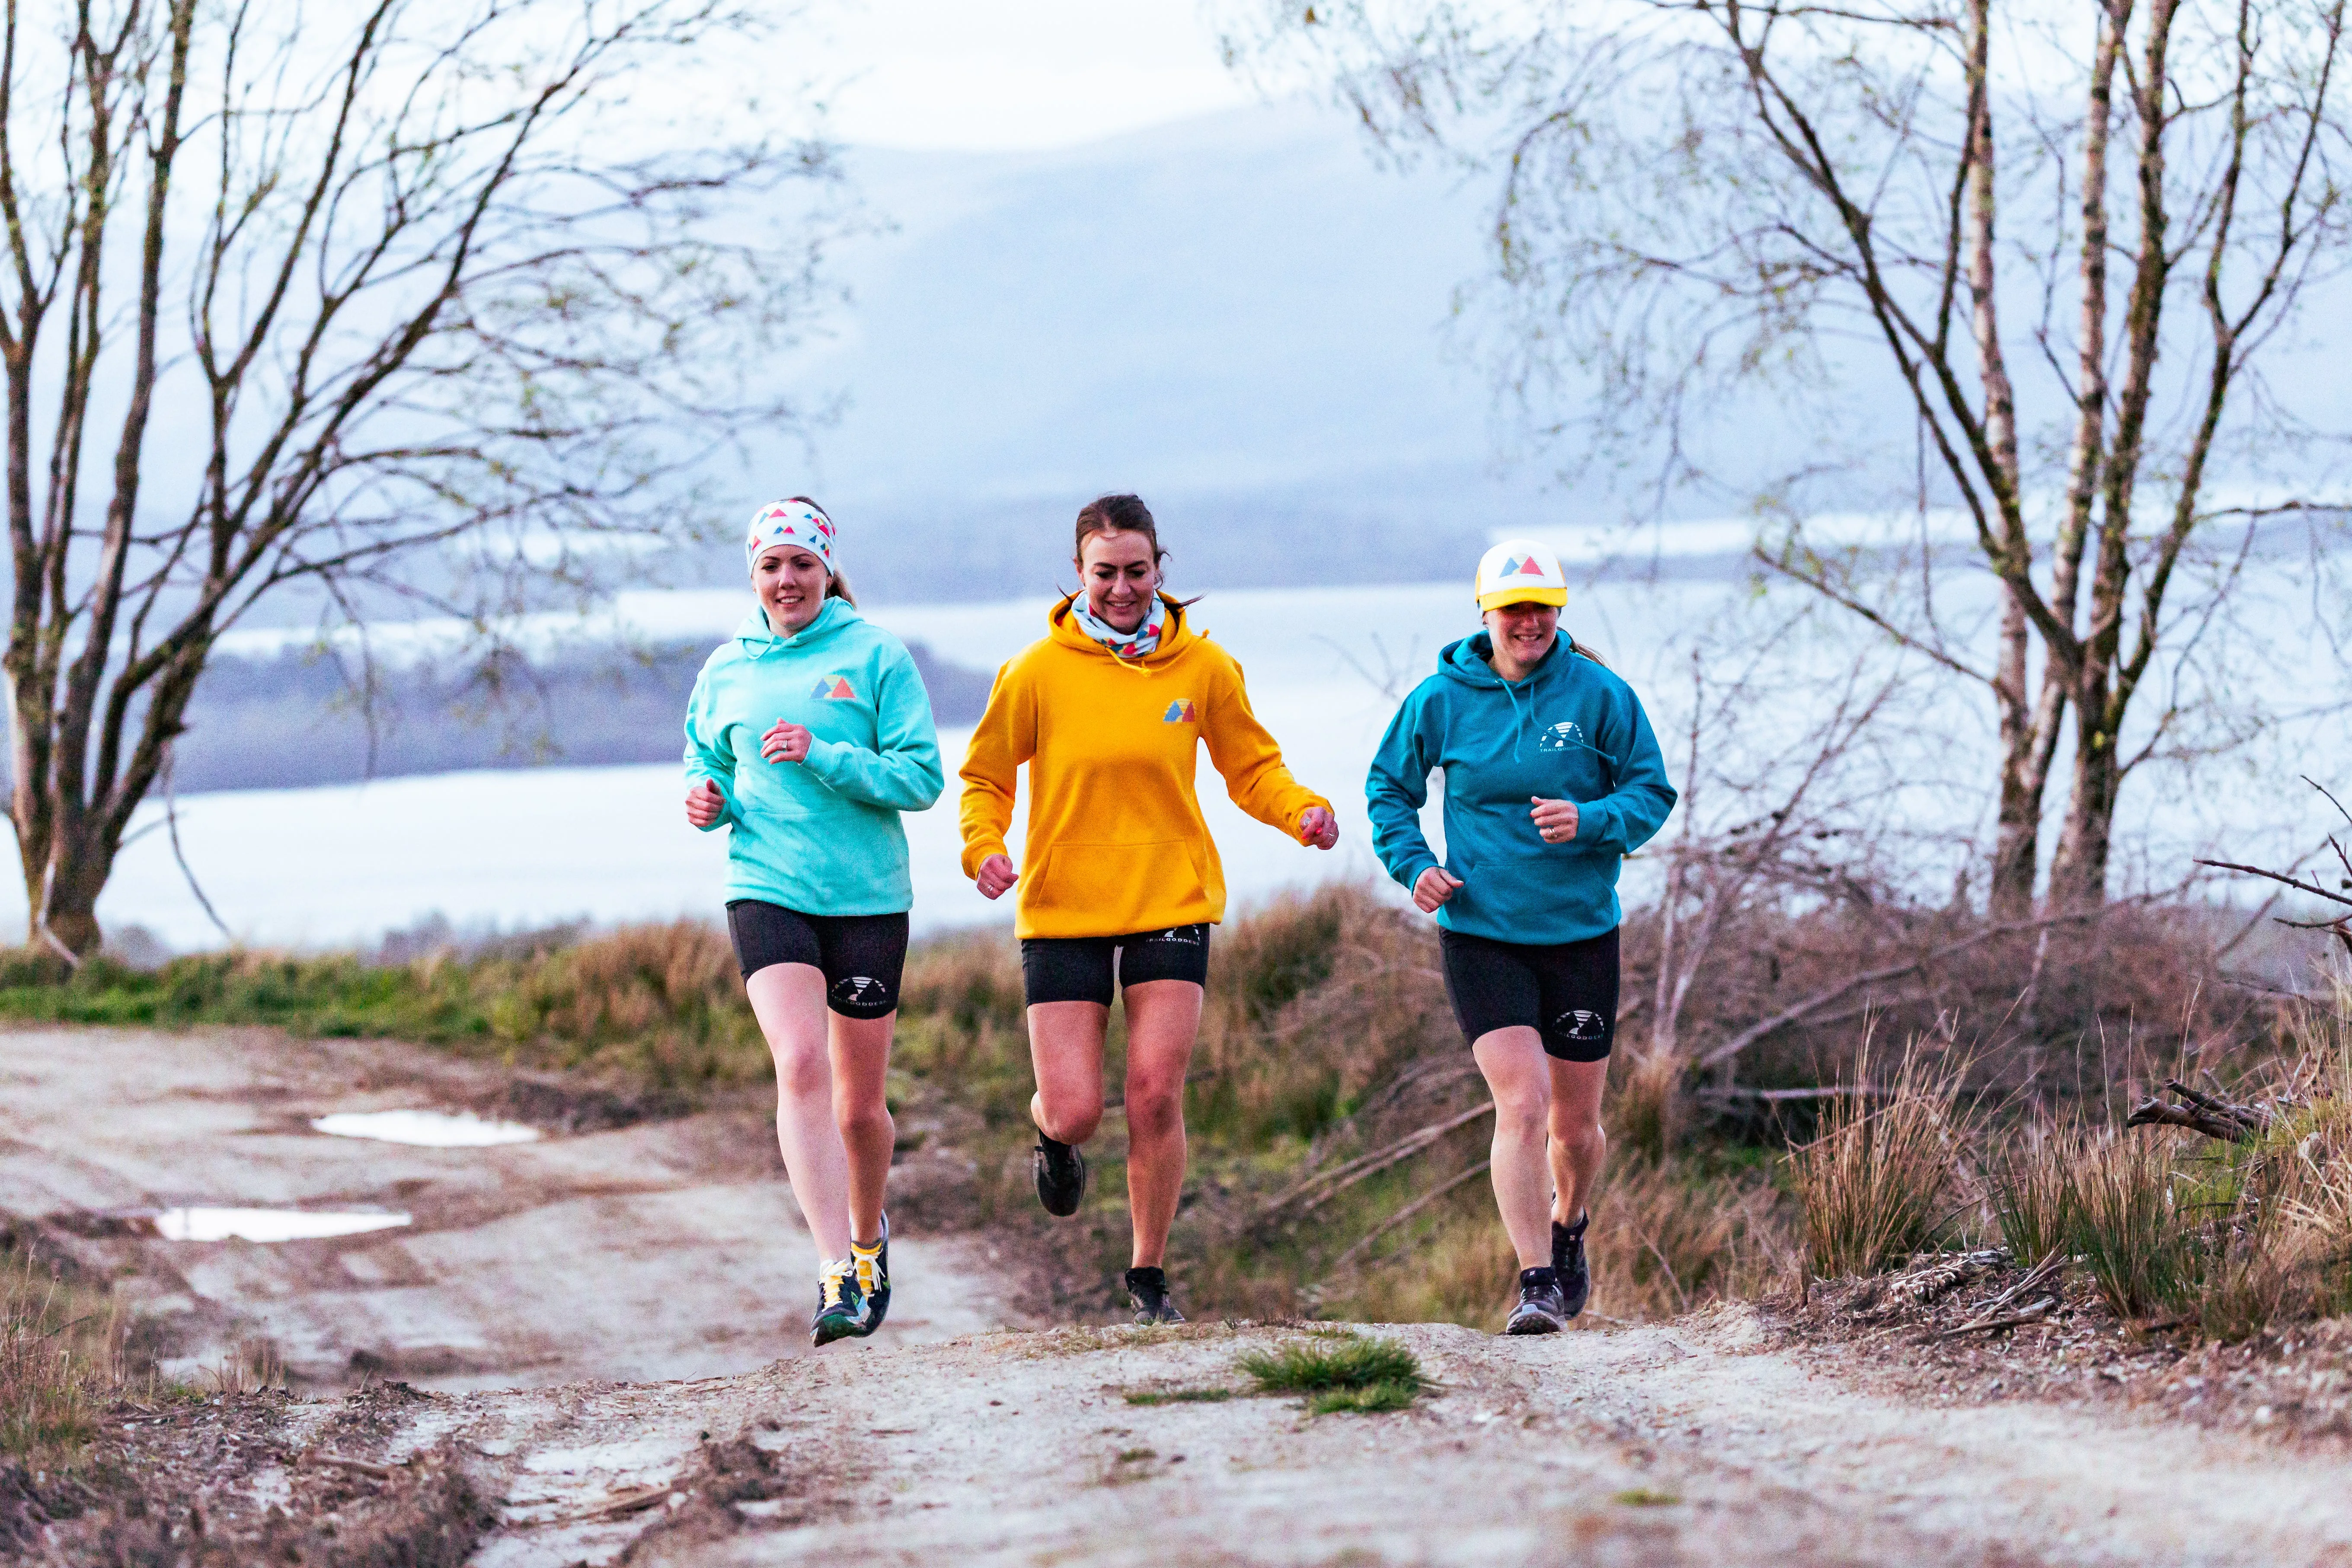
[524, 848]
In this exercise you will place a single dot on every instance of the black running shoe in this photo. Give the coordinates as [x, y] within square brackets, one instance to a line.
[872, 1271]
[1542, 1310]
[840, 1306]
[1061, 1176]
[1568, 1264]
[1147, 1288]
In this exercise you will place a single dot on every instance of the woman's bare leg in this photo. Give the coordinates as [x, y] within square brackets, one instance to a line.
[1065, 1047]
[1163, 1020]
[861, 1109]
[789, 1001]
[1518, 1075]
[1578, 1143]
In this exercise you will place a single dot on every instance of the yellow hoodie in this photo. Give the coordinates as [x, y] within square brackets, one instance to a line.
[1116, 843]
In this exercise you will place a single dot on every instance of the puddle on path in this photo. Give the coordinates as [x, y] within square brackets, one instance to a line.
[270, 1224]
[424, 1129]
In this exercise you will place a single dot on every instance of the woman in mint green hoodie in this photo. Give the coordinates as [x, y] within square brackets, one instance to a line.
[807, 734]
[1551, 778]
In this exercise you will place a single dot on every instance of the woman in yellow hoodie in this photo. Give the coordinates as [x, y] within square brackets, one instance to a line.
[1122, 884]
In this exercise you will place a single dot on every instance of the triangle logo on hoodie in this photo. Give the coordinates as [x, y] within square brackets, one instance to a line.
[833, 688]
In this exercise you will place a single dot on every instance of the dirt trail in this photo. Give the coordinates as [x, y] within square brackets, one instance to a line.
[536, 1274]
[1650, 1445]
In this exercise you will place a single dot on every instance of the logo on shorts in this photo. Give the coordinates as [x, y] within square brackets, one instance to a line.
[833, 688]
[1561, 737]
[1190, 936]
[860, 990]
[1582, 1026]
[1181, 711]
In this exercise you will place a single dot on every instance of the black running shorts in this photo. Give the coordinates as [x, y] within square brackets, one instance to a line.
[1082, 968]
[861, 956]
[1566, 992]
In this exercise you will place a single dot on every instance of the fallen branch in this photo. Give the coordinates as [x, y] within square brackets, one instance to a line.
[2246, 1116]
[1338, 1180]
[1406, 1212]
[2036, 1314]
[2216, 1119]
[2040, 1275]
[1800, 1011]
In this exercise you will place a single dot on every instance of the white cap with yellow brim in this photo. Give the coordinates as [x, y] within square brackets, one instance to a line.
[1520, 571]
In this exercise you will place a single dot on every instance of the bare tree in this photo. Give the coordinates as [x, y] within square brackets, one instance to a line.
[353, 305]
[1700, 195]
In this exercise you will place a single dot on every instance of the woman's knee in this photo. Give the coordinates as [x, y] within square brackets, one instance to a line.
[802, 1070]
[1070, 1118]
[864, 1118]
[1155, 1107]
[1521, 1114]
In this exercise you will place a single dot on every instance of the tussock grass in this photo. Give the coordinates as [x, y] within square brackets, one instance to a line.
[60, 1360]
[1877, 1183]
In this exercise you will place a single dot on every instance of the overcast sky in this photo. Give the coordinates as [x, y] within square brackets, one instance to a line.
[989, 75]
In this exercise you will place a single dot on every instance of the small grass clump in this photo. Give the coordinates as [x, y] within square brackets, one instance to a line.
[1368, 1400]
[1642, 1497]
[1354, 1375]
[1180, 1397]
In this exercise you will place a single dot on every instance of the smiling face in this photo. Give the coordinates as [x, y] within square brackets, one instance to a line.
[1119, 575]
[1523, 635]
[791, 583]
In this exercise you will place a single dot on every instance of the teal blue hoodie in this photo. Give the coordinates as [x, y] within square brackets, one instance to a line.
[820, 836]
[1571, 731]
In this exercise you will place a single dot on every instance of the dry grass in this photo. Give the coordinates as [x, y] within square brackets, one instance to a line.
[1877, 1184]
[60, 1360]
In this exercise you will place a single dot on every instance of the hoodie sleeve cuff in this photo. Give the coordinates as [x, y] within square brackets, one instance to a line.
[824, 759]
[1410, 872]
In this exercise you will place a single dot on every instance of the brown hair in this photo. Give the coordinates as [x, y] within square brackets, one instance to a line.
[1116, 514]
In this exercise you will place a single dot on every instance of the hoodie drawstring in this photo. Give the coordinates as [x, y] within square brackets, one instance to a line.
[1510, 689]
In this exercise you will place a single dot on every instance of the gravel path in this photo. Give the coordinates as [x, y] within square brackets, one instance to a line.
[1672, 1445]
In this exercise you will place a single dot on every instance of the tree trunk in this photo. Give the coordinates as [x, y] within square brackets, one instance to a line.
[2078, 878]
[2017, 842]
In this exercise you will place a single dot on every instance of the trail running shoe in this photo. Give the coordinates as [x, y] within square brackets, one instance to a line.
[1542, 1309]
[840, 1305]
[873, 1269]
[1568, 1264]
[1147, 1288]
[1061, 1175]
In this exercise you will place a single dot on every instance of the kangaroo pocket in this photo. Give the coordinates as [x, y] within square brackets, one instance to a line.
[1110, 889]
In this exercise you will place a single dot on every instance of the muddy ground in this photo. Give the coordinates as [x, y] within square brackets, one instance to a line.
[587, 1351]
[643, 1246]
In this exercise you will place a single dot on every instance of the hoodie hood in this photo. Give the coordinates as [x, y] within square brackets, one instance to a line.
[1063, 628]
[759, 639]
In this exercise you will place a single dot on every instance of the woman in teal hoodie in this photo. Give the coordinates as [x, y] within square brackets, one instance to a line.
[807, 734]
[1551, 778]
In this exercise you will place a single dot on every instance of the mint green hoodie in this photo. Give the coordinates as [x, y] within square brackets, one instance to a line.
[820, 836]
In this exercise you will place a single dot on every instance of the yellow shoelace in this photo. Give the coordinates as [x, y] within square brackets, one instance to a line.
[869, 1267]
